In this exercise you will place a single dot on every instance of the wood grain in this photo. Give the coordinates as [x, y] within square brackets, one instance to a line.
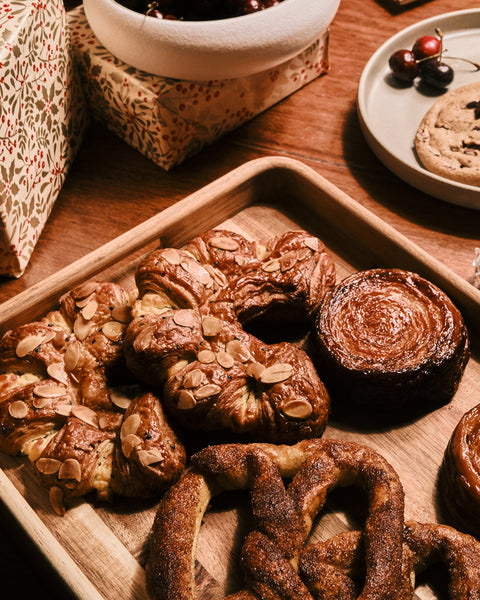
[100, 551]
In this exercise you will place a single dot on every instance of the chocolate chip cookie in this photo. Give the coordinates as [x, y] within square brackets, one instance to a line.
[447, 141]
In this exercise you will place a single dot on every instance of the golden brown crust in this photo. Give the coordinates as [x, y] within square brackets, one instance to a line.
[214, 375]
[389, 338]
[460, 473]
[283, 515]
[68, 402]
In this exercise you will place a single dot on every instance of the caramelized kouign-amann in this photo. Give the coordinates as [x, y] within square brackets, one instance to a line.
[187, 336]
[67, 402]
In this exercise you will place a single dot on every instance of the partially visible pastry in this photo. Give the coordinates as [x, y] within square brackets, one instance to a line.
[388, 338]
[460, 473]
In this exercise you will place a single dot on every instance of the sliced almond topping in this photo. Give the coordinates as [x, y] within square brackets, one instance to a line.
[56, 500]
[86, 289]
[71, 356]
[171, 255]
[150, 457]
[85, 414]
[224, 243]
[276, 373]
[81, 327]
[312, 243]
[225, 360]
[211, 326]
[297, 409]
[255, 370]
[88, 311]
[184, 318]
[29, 344]
[122, 314]
[196, 271]
[303, 253]
[186, 400]
[192, 379]
[238, 350]
[64, 410]
[70, 469]
[288, 261]
[130, 425]
[48, 466]
[57, 372]
[82, 302]
[18, 409]
[261, 251]
[40, 402]
[35, 449]
[129, 443]
[271, 266]
[206, 356]
[120, 400]
[114, 330]
[240, 260]
[206, 391]
[49, 390]
[60, 339]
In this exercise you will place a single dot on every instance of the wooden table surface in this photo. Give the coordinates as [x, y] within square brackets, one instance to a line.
[112, 188]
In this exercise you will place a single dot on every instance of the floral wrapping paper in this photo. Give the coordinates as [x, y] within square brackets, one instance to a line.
[169, 120]
[42, 119]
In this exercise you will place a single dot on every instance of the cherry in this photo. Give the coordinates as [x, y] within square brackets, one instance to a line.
[403, 65]
[435, 73]
[426, 47]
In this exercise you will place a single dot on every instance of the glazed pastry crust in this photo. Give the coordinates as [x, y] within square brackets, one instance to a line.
[389, 338]
[69, 404]
[192, 344]
[447, 141]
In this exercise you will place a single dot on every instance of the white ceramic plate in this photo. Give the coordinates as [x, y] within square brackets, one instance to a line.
[389, 114]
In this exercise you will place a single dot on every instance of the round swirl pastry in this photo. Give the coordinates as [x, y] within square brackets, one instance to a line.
[67, 402]
[389, 338]
[187, 338]
[460, 473]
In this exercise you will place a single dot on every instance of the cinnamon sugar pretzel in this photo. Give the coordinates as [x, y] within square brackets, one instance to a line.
[187, 337]
[66, 403]
[378, 563]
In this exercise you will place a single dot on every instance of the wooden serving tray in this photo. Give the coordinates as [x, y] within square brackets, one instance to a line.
[99, 551]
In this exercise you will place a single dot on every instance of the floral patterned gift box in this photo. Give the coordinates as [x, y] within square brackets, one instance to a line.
[169, 120]
[42, 119]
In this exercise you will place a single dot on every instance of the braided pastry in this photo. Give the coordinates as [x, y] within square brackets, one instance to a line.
[283, 516]
[334, 568]
[187, 336]
[460, 473]
[389, 338]
[68, 403]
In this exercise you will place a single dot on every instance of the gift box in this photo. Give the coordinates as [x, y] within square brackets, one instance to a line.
[169, 120]
[43, 117]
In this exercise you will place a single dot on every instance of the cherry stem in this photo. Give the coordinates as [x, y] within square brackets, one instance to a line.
[439, 32]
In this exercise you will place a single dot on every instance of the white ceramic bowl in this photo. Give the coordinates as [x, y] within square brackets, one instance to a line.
[204, 50]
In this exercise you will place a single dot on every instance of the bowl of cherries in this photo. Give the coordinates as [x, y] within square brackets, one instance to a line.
[425, 60]
[202, 40]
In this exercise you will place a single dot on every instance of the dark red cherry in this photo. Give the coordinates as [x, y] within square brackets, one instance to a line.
[436, 74]
[426, 47]
[403, 65]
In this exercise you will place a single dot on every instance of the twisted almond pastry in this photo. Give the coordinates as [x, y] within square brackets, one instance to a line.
[186, 337]
[388, 338]
[59, 405]
[333, 568]
[460, 473]
[283, 516]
